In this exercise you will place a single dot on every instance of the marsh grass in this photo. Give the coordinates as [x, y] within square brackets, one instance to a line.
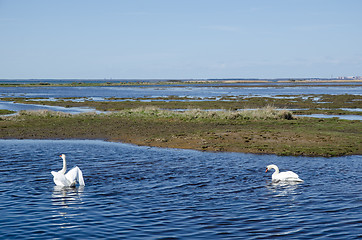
[265, 130]
[43, 113]
[268, 112]
[302, 104]
[150, 113]
[39, 114]
[5, 112]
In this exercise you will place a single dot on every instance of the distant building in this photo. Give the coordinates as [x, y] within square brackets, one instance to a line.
[350, 78]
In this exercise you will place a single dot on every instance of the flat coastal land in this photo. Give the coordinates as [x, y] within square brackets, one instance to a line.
[123, 82]
[264, 131]
[259, 125]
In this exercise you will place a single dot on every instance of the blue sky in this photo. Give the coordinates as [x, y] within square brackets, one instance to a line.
[169, 39]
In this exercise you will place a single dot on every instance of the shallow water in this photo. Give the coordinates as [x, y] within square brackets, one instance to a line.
[190, 91]
[136, 192]
[34, 107]
[345, 117]
[165, 91]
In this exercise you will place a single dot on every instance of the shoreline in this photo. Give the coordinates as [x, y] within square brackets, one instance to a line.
[183, 82]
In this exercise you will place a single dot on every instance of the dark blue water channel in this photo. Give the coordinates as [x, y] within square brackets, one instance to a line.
[136, 192]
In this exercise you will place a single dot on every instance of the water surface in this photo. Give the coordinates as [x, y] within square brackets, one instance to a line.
[35, 107]
[165, 91]
[136, 192]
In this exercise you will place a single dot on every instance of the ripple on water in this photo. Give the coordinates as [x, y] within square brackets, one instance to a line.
[139, 192]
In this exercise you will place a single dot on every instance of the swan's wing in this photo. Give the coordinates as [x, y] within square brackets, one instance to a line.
[72, 174]
[75, 174]
[60, 179]
[80, 178]
[288, 176]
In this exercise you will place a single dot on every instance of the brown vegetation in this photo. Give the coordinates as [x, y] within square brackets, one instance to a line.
[253, 132]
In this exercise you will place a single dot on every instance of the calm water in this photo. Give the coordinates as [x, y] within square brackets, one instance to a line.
[151, 193]
[164, 91]
[190, 91]
[21, 106]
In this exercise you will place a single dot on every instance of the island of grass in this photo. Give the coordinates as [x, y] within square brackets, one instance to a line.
[263, 131]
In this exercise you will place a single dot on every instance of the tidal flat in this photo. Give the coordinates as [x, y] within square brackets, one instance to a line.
[261, 131]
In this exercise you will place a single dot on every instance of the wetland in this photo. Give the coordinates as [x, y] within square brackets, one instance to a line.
[260, 118]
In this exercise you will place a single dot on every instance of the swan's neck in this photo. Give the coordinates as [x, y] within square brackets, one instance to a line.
[64, 169]
[275, 167]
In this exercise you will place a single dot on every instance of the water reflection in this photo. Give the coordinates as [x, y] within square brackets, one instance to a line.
[66, 201]
[66, 196]
[283, 188]
[153, 193]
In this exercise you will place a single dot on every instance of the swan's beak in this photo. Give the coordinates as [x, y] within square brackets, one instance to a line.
[266, 170]
[60, 155]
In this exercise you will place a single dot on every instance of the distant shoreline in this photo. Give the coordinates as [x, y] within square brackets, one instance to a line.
[281, 81]
[151, 82]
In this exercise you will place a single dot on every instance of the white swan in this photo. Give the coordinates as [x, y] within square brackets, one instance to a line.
[283, 176]
[71, 178]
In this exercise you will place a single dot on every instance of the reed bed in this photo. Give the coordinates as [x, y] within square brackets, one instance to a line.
[154, 112]
[198, 114]
[44, 113]
[23, 114]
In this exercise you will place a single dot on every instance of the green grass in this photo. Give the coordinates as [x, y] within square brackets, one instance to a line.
[5, 112]
[265, 130]
[201, 115]
[327, 104]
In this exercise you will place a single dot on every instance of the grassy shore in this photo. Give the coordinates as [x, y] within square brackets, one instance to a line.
[265, 130]
[5, 112]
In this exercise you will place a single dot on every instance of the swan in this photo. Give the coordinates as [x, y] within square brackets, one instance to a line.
[71, 178]
[283, 176]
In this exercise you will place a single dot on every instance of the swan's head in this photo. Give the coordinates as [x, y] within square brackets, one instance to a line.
[272, 166]
[62, 156]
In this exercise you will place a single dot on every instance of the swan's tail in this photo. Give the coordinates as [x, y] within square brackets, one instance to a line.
[80, 178]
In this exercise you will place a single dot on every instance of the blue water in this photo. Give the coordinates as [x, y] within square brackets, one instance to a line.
[157, 91]
[213, 91]
[136, 192]
[34, 107]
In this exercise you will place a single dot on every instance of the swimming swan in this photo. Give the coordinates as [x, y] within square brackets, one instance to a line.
[71, 178]
[283, 176]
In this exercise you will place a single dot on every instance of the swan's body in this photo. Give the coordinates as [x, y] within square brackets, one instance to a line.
[283, 176]
[69, 179]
